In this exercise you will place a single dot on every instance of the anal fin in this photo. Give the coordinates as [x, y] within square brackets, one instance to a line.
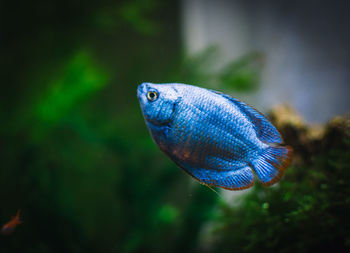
[231, 178]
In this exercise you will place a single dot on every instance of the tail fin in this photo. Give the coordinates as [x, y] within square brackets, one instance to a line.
[270, 165]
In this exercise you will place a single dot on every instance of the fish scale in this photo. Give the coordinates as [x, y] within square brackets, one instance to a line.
[215, 138]
[219, 127]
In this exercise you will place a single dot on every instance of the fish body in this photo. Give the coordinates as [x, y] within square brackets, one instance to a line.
[217, 139]
[10, 226]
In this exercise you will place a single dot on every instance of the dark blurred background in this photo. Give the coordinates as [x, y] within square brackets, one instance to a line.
[76, 156]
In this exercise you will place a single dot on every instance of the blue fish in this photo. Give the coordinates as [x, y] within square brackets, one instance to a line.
[214, 137]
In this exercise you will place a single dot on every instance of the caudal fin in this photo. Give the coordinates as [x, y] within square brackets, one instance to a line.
[270, 165]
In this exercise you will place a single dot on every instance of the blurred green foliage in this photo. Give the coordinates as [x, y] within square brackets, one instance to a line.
[241, 75]
[134, 13]
[79, 79]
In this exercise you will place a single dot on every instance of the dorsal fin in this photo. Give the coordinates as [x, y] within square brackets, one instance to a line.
[266, 132]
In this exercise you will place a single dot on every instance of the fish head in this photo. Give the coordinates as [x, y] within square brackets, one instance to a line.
[158, 102]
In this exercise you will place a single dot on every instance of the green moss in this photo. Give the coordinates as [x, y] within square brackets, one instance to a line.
[306, 212]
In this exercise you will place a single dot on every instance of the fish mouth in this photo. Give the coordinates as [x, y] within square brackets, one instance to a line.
[141, 90]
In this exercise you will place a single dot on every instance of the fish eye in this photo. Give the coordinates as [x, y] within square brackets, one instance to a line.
[152, 95]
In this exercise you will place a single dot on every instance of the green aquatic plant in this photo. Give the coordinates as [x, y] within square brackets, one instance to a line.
[80, 78]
